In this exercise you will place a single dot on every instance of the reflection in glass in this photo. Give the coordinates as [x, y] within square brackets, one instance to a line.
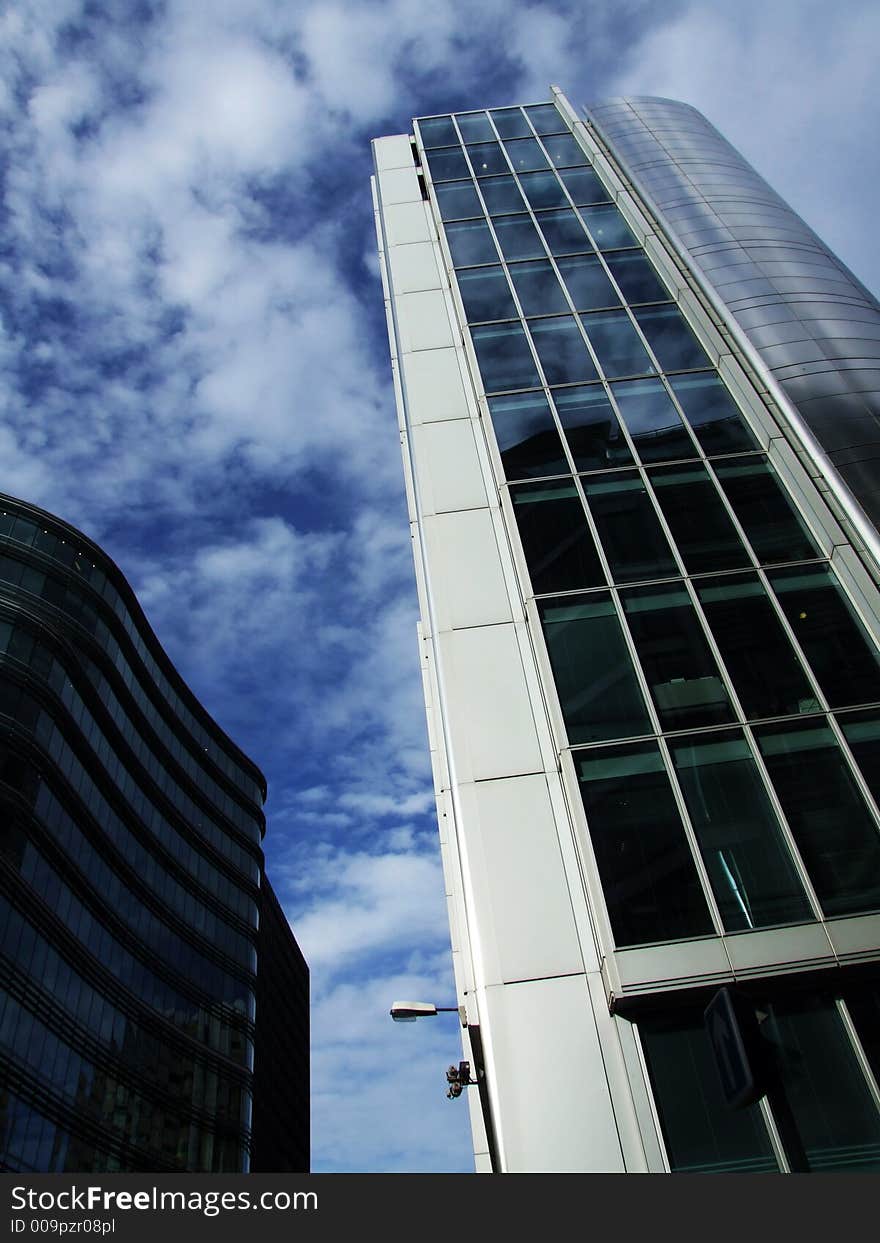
[653, 421]
[511, 123]
[833, 639]
[679, 667]
[556, 539]
[563, 230]
[629, 530]
[518, 238]
[527, 437]
[591, 428]
[863, 1004]
[749, 865]
[561, 349]
[670, 338]
[830, 821]
[487, 158]
[565, 151]
[584, 186]
[765, 672]
[862, 732]
[438, 132]
[543, 190]
[700, 525]
[486, 294]
[649, 880]
[616, 343]
[607, 227]
[525, 155]
[470, 242]
[546, 119]
[504, 357]
[587, 283]
[474, 126]
[447, 163]
[598, 690]
[458, 200]
[538, 288]
[502, 195]
[768, 518]
[712, 413]
[636, 277]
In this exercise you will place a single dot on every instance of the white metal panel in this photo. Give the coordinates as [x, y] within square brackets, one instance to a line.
[423, 321]
[491, 728]
[434, 387]
[448, 467]
[792, 948]
[855, 937]
[550, 1119]
[400, 185]
[414, 267]
[679, 962]
[393, 152]
[465, 576]
[406, 222]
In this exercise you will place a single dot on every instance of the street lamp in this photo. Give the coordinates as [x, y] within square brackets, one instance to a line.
[409, 1011]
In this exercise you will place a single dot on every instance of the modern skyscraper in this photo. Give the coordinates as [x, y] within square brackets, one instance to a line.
[132, 886]
[638, 404]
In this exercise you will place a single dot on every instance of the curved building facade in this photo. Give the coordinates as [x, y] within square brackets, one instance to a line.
[131, 867]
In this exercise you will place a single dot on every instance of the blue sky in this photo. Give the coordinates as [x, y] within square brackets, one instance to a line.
[194, 370]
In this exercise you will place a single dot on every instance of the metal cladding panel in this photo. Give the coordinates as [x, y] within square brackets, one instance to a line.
[767, 266]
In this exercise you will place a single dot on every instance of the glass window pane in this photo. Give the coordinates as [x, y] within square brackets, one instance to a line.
[649, 880]
[458, 200]
[487, 158]
[562, 351]
[447, 163]
[511, 123]
[591, 428]
[712, 413]
[700, 525]
[768, 518]
[470, 242]
[629, 530]
[486, 294]
[587, 282]
[438, 132]
[703, 1135]
[504, 357]
[653, 421]
[584, 186]
[636, 277]
[546, 119]
[543, 190]
[760, 659]
[607, 227]
[749, 864]
[564, 232]
[565, 151]
[863, 1003]
[862, 732]
[841, 655]
[556, 539]
[518, 238]
[616, 343]
[594, 676]
[527, 437]
[670, 338]
[679, 666]
[525, 155]
[502, 195]
[834, 832]
[474, 126]
[538, 288]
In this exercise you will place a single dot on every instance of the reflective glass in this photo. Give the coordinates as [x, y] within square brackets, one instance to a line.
[447, 163]
[840, 653]
[760, 659]
[518, 238]
[562, 351]
[564, 232]
[636, 277]
[587, 283]
[527, 437]
[862, 732]
[474, 126]
[649, 880]
[511, 123]
[525, 155]
[679, 666]
[597, 686]
[768, 518]
[616, 343]
[543, 190]
[670, 338]
[607, 227]
[700, 525]
[628, 527]
[863, 1003]
[584, 186]
[834, 831]
[556, 539]
[438, 132]
[457, 200]
[470, 242]
[487, 159]
[749, 864]
[565, 151]
[502, 195]
[538, 288]
[486, 294]
[546, 119]
[504, 357]
[653, 421]
[591, 427]
[712, 413]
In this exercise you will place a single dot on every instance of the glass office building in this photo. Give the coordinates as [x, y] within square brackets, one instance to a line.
[637, 402]
[131, 870]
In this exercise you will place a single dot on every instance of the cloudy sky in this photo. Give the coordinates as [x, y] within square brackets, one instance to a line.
[193, 370]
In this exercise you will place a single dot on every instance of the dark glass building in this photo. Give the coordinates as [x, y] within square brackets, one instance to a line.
[131, 868]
